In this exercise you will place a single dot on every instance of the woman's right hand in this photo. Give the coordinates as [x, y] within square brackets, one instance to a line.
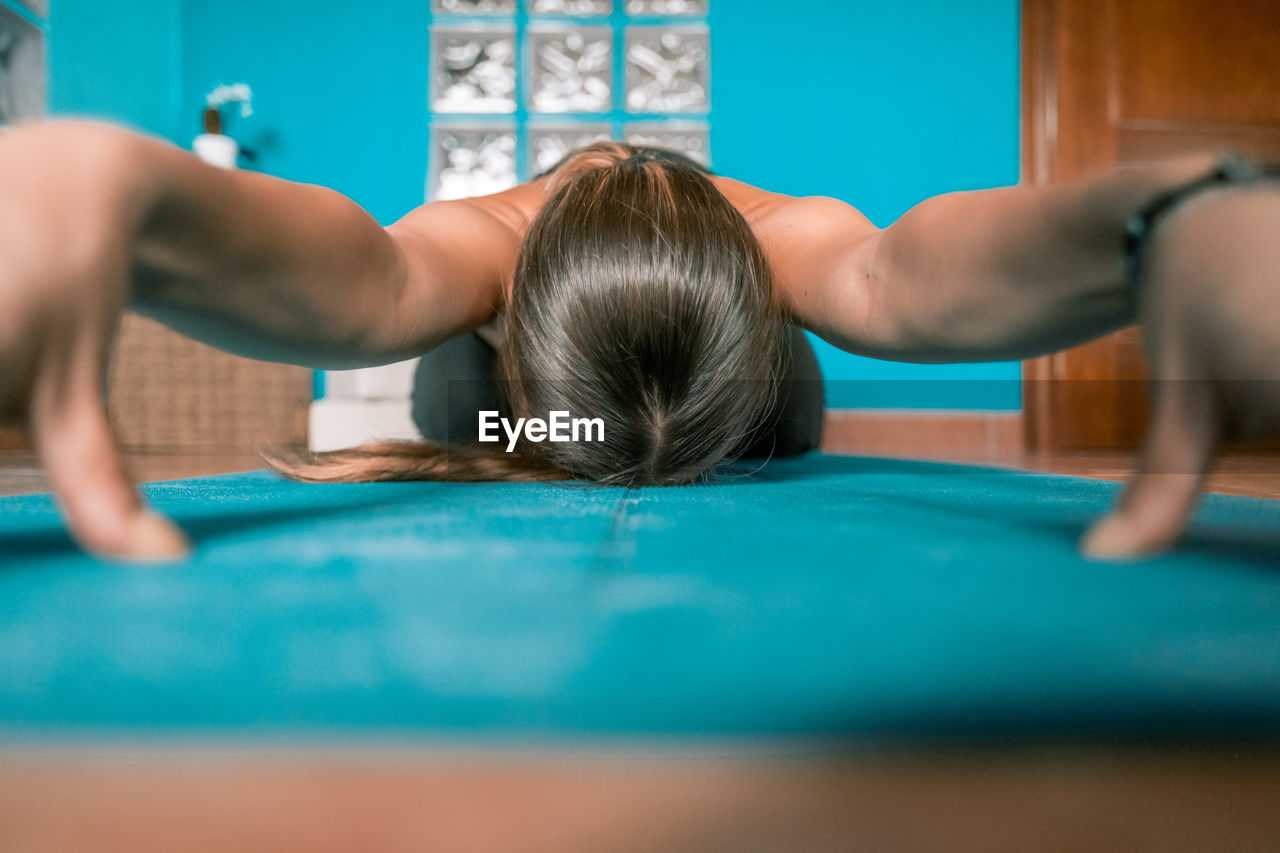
[72, 196]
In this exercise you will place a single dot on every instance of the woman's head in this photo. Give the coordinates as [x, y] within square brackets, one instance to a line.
[641, 297]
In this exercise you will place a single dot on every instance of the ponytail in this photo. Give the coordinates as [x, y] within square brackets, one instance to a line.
[413, 460]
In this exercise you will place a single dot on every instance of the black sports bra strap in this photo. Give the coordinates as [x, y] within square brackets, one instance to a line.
[1231, 170]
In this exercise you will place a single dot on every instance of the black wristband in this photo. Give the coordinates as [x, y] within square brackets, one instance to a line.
[1230, 170]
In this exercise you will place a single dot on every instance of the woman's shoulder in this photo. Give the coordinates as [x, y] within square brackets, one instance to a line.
[801, 236]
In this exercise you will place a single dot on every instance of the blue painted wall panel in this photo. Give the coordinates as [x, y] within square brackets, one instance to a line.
[119, 60]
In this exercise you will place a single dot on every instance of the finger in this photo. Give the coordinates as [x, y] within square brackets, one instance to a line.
[103, 509]
[1162, 493]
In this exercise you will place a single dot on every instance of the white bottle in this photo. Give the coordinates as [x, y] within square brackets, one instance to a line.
[216, 149]
[213, 146]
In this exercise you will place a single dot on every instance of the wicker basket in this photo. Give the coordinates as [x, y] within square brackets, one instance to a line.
[170, 394]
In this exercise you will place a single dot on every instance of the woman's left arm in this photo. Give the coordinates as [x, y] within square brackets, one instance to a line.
[1004, 273]
[1011, 273]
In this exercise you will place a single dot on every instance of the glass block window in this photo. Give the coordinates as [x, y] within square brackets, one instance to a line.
[666, 70]
[474, 70]
[548, 145]
[474, 7]
[571, 69]
[517, 84]
[471, 161]
[571, 7]
[688, 139]
[667, 7]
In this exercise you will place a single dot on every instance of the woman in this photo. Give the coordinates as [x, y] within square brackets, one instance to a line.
[633, 287]
[644, 284]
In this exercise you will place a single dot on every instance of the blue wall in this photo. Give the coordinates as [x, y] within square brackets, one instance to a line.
[879, 104]
[119, 60]
[340, 93]
[882, 105]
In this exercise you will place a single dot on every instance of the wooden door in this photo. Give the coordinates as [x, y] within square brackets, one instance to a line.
[1113, 81]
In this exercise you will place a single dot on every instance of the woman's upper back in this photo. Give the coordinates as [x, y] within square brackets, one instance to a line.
[480, 238]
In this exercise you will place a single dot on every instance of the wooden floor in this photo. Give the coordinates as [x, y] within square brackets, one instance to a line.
[974, 798]
[996, 439]
[980, 439]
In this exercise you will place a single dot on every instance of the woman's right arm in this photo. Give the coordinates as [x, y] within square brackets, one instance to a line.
[94, 218]
[299, 273]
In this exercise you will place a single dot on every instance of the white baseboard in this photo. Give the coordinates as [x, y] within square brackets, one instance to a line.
[388, 382]
[338, 422]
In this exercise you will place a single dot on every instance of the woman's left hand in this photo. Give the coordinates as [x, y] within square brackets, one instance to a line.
[1210, 312]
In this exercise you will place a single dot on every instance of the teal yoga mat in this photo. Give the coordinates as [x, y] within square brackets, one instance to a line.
[815, 596]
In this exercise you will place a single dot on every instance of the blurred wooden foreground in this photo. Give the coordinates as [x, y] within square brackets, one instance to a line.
[1041, 798]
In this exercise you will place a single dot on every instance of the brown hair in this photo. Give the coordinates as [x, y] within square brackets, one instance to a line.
[641, 297]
